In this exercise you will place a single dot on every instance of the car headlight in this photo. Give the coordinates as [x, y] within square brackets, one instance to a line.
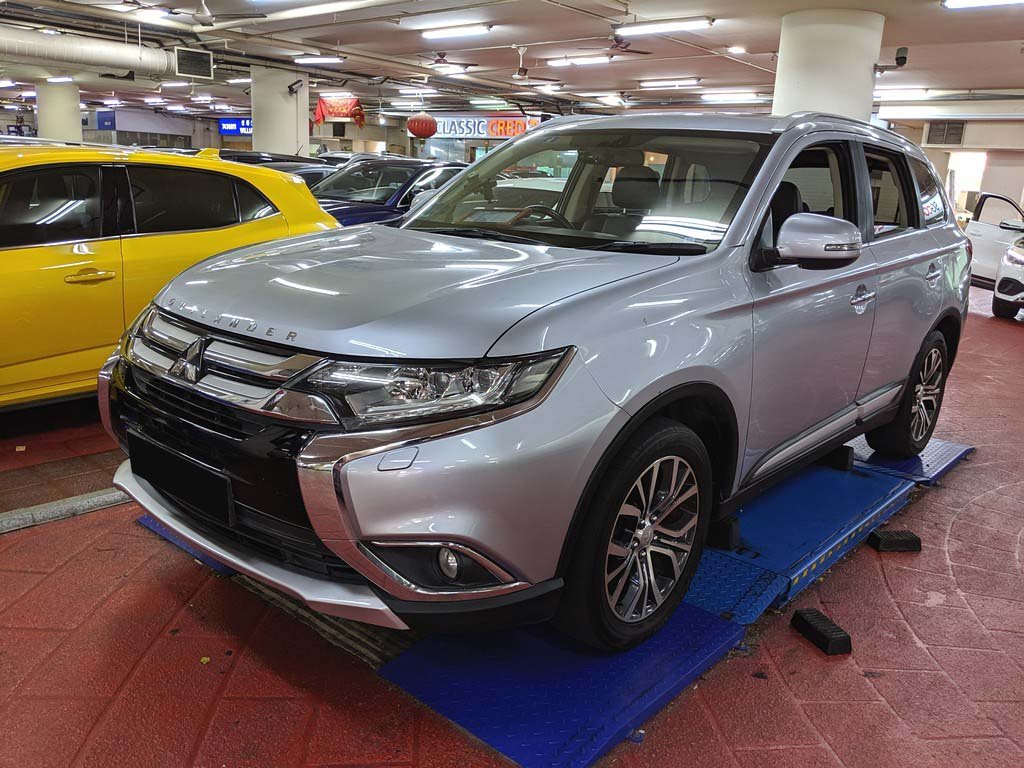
[371, 394]
[1014, 257]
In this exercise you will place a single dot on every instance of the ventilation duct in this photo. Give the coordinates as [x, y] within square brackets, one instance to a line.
[69, 51]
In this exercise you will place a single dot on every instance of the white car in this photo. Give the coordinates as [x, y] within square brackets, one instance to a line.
[999, 255]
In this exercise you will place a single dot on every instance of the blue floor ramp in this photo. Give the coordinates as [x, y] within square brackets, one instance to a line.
[542, 701]
[150, 522]
[937, 458]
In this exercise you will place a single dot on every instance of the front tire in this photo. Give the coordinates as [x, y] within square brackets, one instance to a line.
[1004, 309]
[907, 434]
[642, 540]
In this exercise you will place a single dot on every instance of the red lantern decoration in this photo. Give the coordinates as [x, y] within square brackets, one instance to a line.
[422, 125]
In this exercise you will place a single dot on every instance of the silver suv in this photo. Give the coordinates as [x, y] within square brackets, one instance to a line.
[533, 398]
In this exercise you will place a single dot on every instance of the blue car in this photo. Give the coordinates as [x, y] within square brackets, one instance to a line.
[380, 189]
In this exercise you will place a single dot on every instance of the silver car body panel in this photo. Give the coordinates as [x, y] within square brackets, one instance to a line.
[800, 356]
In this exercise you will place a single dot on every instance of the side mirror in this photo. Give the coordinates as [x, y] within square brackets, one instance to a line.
[814, 241]
[419, 198]
[1015, 225]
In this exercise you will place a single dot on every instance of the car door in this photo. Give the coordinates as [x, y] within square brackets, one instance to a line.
[182, 216]
[997, 223]
[60, 277]
[811, 327]
[913, 268]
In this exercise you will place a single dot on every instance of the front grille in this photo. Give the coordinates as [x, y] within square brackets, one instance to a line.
[227, 432]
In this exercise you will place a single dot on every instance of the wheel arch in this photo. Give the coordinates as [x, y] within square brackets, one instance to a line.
[703, 407]
[950, 325]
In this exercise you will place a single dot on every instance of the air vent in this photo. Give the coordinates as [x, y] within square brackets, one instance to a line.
[946, 132]
[188, 62]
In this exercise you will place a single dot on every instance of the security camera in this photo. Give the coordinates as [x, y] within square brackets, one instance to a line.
[901, 56]
[294, 87]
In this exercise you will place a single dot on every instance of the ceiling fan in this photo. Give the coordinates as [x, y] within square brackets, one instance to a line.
[618, 45]
[522, 73]
[201, 16]
[440, 61]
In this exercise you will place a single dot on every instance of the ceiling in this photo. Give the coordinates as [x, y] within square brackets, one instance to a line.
[980, 50]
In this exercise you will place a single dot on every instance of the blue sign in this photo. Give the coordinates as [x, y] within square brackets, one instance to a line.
[106, 121]
[236, 126]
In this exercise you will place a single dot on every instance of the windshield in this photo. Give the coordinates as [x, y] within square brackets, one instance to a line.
[366, 182]
[641, 190]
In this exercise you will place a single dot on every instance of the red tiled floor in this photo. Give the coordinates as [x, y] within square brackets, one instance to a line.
[104, 629]
[49, 433]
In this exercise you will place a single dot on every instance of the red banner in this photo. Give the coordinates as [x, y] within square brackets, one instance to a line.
[328, 107]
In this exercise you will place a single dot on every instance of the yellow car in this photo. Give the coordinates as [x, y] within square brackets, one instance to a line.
[89, 235]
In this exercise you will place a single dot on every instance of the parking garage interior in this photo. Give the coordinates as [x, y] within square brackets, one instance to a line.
[539, 383]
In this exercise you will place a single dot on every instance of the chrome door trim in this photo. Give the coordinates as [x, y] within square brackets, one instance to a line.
[860, 410]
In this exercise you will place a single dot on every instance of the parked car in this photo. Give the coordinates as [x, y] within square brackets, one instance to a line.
[380, 190]
[344, 158]
[89, 235]
[251, 157]
[998, 255]
[310, 173]
[510, 413]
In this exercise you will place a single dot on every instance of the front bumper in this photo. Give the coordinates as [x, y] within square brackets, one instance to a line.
[502, 485]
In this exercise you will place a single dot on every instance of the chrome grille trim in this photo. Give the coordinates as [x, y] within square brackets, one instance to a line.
[232, 373]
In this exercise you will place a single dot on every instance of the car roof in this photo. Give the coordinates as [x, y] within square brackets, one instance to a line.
[29, 155]
[295, 165]
[414, 161]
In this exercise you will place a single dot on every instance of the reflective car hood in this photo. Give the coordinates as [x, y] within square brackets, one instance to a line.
[374, 291]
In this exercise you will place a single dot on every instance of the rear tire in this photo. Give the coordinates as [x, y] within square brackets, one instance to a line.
[907, 434]
[642, 539]
[1004, 309]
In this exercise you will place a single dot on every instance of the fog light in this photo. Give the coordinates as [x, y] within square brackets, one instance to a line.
[448, 563]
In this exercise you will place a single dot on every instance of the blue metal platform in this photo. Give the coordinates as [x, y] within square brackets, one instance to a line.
[150, 522]
[937, 458]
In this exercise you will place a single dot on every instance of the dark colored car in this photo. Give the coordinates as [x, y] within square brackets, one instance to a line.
[310, 173]
[262, 158]
[380, 190]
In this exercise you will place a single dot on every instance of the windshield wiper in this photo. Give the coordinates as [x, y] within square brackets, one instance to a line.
[482, 232]
[668, 249]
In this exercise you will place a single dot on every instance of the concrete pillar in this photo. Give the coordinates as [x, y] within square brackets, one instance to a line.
[826, 62]
[280, 119]
[59, 115]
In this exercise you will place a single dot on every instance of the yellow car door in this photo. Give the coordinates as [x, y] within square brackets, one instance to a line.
[60, 281]
[183, 216]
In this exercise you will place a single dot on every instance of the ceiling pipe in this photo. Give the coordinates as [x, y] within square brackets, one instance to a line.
[72, 50]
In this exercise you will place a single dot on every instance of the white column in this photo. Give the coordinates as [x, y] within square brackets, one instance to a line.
[280, 119]
[826, 62]
[59, 116]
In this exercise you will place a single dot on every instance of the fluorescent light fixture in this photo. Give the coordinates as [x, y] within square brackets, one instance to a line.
[6, 83]
[202, 99]
[661, 27]
[418, 91]
[60, 79]
[175, 84]
[221, 107]
[958, 4]
[612, 100]
[736, 49]
[579, 61]
[338, 95]
[239, 80]
[319, 59]
[177, 108]
[154, 100]
[12, 107]
[901, 94]
[82, 105]
[730, 97]
[488, 103]
[467, 30]
[28, 94]
[50, 31]
[550, 87]
[112, 102]
[406, 104]
[684, 82]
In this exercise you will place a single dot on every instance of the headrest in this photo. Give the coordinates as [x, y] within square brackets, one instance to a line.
[785, 202]
[635, 187]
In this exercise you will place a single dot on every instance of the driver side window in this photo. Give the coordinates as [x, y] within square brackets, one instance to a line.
[819, 180]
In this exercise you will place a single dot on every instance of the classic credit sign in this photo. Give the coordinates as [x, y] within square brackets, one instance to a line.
[482, 126]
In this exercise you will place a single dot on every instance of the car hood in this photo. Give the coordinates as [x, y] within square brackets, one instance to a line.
[374, 291]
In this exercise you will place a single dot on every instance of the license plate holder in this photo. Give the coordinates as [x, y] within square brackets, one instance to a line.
[204, 490]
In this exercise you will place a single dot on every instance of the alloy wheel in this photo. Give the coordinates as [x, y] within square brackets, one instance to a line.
[926, 395]
[651, 539]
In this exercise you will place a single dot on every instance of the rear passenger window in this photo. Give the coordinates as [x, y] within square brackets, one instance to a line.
[50, 205]
[251, 204]
[888, 193]
[933, 207]
[176, 200]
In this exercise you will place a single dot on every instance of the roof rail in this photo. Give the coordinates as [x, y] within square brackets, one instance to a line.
[795, 118]
[35, 141]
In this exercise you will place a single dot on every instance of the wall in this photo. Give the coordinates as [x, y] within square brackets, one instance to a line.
[1004, 174]
[363, 139]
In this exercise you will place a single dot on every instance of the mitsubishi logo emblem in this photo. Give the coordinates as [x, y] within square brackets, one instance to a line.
[189, 367]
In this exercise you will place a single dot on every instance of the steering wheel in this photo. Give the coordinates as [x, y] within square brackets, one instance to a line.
[547, 211]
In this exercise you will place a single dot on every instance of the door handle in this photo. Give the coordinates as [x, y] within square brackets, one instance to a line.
[861, 299]
[934, 273]
[91, 276]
